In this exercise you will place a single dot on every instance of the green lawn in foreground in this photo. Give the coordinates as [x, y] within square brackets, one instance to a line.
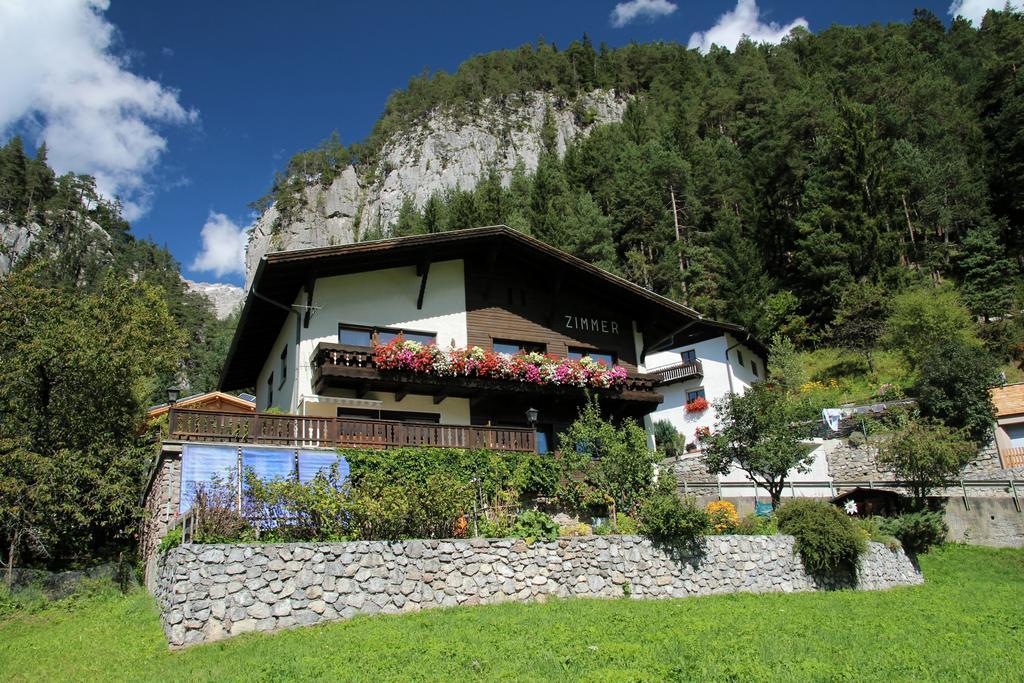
[967, 622]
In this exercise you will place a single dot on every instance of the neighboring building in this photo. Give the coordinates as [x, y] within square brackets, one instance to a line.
[212, 400]
[307, 334]
[1009, 432]
[707, 369]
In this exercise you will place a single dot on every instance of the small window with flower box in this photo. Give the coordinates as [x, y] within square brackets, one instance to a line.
[696, 401]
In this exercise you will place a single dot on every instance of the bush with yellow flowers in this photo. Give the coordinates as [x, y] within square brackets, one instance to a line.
[723, 517]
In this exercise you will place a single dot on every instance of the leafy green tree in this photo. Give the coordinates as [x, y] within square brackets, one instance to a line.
[860, 319]
[618, 466]
[953, 385]
[922, 317]
[785, 367]
[756, 433]
[927, 455]
[75, 372]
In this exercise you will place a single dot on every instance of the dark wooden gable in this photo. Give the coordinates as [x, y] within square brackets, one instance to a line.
[514, 299]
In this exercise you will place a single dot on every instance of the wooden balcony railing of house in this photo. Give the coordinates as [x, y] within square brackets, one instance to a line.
[333, 362]
[678, 371]
[335, 432]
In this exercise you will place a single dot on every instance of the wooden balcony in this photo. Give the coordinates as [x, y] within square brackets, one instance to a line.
[678, 372]
[335, 432]
[337, 365]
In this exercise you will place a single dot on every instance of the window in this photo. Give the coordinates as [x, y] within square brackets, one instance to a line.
[606, 357]
[511, 347]
[1015, 433]
[384, 336]
[692, 396]
[284, 366]
[689, 356]
[270, 390]
[355, 336]
[543, 440]
[739, 355]
[358, 335]
[753, 366]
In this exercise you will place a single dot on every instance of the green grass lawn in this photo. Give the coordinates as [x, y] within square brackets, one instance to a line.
[966, 622]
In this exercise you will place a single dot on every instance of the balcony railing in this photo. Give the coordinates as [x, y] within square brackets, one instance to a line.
[336, 432]
[357, 362]
[678, 371]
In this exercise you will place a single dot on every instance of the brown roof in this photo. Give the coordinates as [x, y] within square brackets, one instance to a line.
[215, 398]
[280, 276]
[1009, 399]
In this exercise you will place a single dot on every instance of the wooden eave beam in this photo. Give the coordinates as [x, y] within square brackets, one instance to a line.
[310, 285]
[422, 270]
[440, 396]
[401, 393]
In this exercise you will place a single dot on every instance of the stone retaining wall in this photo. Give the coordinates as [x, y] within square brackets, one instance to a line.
[210, 592]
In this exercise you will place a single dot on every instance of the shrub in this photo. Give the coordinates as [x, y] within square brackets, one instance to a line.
[535, 525]
[605, 462]
[623, 524]
[917, 531]
[172, 539]
[722, 517]
[665, 517]
[530, 474]
[578, 529]
[873, 527]
[758, 525]
[826, 538]
[217, 519]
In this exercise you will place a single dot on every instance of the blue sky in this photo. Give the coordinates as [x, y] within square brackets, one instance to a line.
[187, 109]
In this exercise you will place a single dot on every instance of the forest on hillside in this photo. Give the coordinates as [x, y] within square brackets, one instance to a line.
[791, 188]
[82, 243]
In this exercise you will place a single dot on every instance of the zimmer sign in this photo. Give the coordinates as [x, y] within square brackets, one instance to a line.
[579, 322]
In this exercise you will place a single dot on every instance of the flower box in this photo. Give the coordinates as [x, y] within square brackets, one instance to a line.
[697, 405]
[527, 367]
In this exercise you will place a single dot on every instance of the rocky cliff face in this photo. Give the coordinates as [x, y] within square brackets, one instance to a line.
[445, 151]
[224, 297]
[15, 241]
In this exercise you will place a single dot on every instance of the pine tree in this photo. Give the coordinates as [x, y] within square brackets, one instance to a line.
[988, 276]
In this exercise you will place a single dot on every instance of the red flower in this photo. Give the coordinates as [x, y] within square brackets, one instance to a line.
[697, 405]
[703, 433]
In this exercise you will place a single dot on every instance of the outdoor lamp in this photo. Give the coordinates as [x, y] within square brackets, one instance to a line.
[531, 416]
[172, 394]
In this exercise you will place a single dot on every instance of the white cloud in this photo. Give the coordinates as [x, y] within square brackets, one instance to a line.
[745, 20]
[62, 83]
[625, 12]
[223, 246]
[975, 9]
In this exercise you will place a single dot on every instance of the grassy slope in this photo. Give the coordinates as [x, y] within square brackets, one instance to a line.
[966, 622]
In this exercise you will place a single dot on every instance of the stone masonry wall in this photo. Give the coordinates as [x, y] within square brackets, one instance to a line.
[210, 592]
[161, 503]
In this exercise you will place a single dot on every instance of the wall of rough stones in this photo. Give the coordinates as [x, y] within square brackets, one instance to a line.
[160, 506]
[210, 592]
